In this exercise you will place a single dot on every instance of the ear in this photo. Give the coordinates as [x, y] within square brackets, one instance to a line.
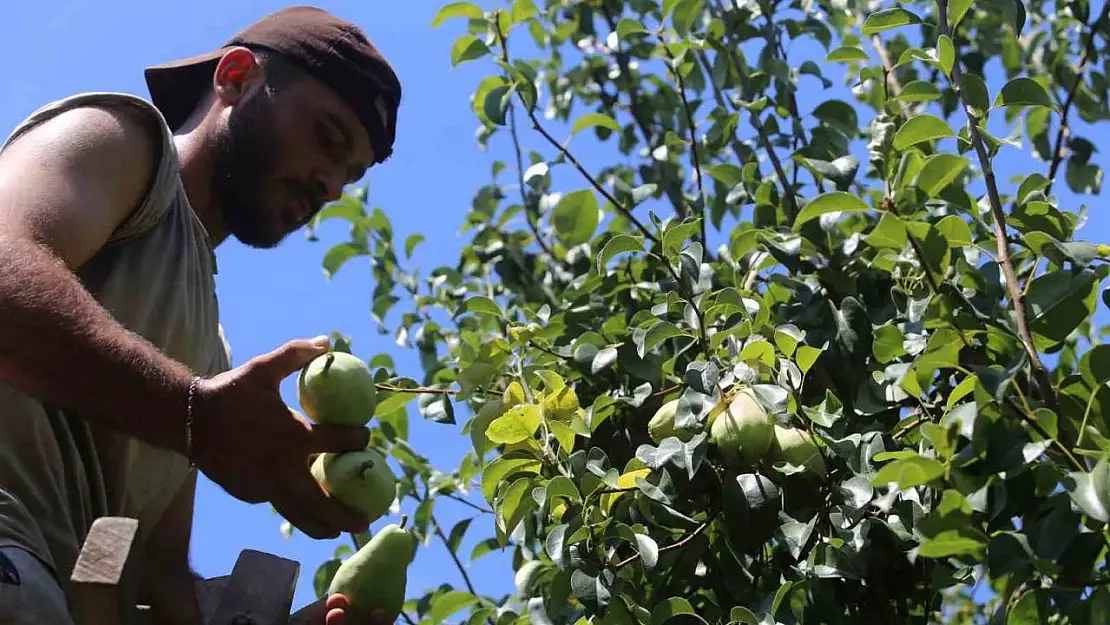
[237, 74]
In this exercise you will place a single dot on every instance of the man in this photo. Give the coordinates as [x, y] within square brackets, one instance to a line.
[114, 379]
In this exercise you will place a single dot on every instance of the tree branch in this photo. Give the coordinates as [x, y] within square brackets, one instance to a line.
[458, 563]
[577, 165]
[1063, 130]
[461, 500]
[1021, 318]
[678, 545]
[528, 216]
[430, 390]
[693, 139]
[734, 63]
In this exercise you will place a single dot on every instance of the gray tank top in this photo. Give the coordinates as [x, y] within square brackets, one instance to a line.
[155, 276]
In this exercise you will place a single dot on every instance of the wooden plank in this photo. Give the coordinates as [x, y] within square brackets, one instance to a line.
[99, 569]
[259, 591]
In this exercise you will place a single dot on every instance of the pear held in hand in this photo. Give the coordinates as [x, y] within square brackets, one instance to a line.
[338, 388]
[359, 479]
[375, 577]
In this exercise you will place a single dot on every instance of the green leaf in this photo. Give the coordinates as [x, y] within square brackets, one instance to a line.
[628, 26]
[457, 534]
[976, 94]
[955, 230]
[411, 242]
[576, 217]
[339, 254]
[457, 9]
[672, 607]
[616, 245]
[919, 91]
[501, 468]
[516, 503]
[889, 18]
[519, 423]
[595, 119]
[939, 171]
[890, 233]
[953, 542]
[726, 172]
[481, 304]
[742, 615]
[443, 606]
[467, 48]
[845, 54]
[1091, 491]
[957, 9]
[1023, 92]
[909, 472]
[946, 54]
[806, 357]
[829, 203]
[1028, 610]
[921, 128]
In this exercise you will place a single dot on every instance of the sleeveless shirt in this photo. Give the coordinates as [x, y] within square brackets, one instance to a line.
[156, 277]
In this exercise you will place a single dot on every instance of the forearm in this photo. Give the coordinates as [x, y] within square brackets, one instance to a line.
[171, 593]
[57, 343]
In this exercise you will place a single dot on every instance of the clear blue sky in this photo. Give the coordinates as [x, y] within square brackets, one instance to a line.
[54, 49]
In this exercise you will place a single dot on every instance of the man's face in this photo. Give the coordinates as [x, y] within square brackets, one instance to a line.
[283, 153]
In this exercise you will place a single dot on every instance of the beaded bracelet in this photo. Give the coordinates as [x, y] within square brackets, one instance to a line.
[189, 424]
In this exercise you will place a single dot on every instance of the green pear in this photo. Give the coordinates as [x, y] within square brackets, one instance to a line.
[743, 432]
[661, 426]
[375, 577]
[359, 479]
[798, 448]
[338, 388]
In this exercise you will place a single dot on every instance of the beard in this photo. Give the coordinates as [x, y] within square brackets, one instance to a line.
[243, 165]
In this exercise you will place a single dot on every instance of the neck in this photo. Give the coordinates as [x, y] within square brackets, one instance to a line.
[196, 175]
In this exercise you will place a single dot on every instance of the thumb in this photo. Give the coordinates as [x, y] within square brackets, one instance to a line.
[338, 438]
[291, 357]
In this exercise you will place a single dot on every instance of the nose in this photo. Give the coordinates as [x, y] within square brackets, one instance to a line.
[330, 185]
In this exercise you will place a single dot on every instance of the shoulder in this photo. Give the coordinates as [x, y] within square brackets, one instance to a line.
[80, 168]
[93, 132]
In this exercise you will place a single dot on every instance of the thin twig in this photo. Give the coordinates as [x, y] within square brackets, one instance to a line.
[469, 503]
[1088, 55]
[632, 85]
[678, 545]
[780, 172]
[1022, 319]
[520, 170]
[577, 165]
[888, 72]
[909, 427]
[693, 139]
[1060, 447]
[429, 390]
[408, 619]
[458, 563]
[720, 97]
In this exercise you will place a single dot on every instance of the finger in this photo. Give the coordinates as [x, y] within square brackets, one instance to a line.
[338, 438]
[336, 617]
[303, 507]
[329, 513]
[289, 358]
[337, 601]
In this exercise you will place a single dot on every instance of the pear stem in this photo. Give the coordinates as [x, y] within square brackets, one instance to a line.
[404, 520]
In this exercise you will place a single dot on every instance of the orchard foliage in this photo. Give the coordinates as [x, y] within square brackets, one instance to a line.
[865, 216]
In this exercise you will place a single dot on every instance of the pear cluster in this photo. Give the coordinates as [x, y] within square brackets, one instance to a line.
[338, 388]
[744, 434]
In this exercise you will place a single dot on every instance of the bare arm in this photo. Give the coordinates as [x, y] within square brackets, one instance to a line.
[64, 188]
[169, 584]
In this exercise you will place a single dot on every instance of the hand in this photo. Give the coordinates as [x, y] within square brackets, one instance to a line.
[334, 610]
[250, 443]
